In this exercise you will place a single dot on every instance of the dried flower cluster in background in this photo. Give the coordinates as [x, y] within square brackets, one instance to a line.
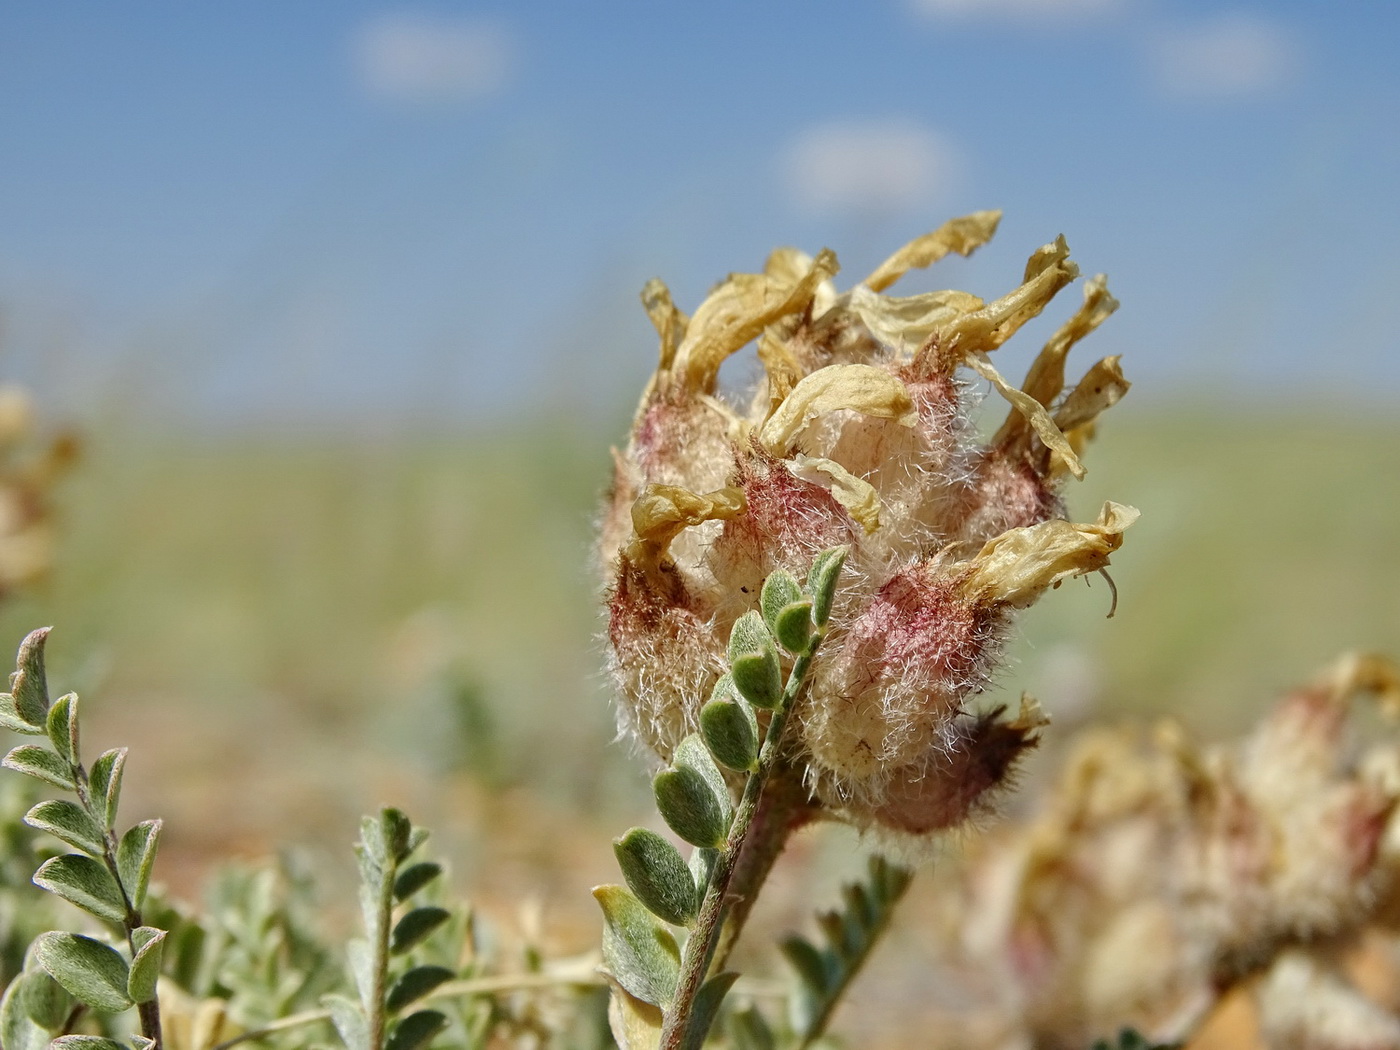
[28, 469]
[859, 434]
[1163, 874]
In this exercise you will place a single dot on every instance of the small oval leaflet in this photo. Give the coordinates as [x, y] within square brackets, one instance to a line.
[657, 874]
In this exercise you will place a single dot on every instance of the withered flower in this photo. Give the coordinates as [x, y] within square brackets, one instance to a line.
[28, 470]
[859, 433]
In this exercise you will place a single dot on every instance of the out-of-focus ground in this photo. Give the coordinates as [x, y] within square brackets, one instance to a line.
[289, 631]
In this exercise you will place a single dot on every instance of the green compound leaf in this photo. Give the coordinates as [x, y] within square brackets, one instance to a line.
[28, 684]
[136, 855]
[105, 779]
[416, 1030]
[731, 733]
[414, 927]
[67, 821]
[415, 984]
[414, 877]
[145, 965]
[349, 1021]
[86, 883]
[706, 1008]
[656, 873]
[41, 764]
[821, 583]
[44, 999]
[689, 807]
[639, 953]
[753, 662]
[88, 970]
[62, 727]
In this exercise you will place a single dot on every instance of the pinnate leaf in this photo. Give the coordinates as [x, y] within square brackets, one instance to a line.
[89, 970]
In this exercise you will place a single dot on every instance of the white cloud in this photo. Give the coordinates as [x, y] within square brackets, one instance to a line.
[413, 58]
[1014, 10]
[1228, 56]
[873, 166]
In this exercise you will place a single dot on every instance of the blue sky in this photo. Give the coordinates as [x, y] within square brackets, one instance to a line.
[353, 212]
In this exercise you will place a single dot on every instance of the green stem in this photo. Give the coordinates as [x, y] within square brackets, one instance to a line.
[705, 935]
[378, 1018]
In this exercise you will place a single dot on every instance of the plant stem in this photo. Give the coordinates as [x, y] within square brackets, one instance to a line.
[705, 935]
[384, 915]
[784, 808]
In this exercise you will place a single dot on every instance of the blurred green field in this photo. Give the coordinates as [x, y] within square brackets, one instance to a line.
[292, 630]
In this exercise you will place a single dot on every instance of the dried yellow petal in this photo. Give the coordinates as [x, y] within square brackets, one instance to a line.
[1048, 270]
[1018, 566]
[963, 235]
[739, 310]
[1102, 387]
[669, 320]
[865, 389]
[906, 323]
[662, 511]
[857, 495]
[1033, 411]
[1046, 376]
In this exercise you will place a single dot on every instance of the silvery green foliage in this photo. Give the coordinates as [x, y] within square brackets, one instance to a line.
[388, 979]
[106, 875]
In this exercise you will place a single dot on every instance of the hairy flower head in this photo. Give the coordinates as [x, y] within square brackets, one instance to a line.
[858, 434]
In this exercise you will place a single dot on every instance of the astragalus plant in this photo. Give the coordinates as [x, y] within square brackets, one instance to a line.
[854, 464]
